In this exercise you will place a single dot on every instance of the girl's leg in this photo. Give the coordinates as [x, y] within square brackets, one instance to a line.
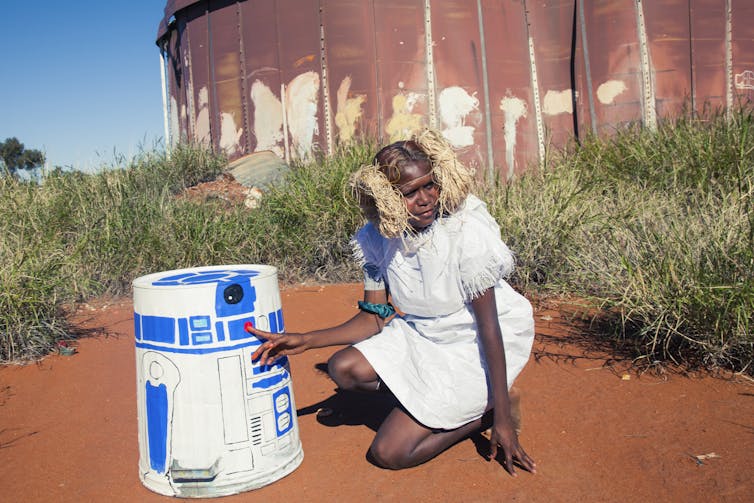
[402, 442]
[351, 371]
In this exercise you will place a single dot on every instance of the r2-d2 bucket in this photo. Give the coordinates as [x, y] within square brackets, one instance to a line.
[212, 422]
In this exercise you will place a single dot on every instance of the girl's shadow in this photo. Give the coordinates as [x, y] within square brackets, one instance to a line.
[351, 407]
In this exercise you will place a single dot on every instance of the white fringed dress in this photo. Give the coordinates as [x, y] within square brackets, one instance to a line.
[431, 357]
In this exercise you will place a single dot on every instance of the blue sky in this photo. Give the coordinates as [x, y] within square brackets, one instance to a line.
[81, 80]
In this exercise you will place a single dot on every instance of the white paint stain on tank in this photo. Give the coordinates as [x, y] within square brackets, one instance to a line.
[301, 110]
[455, 105]
[349, 110]
[608, 91]
[230, 136]
[558, 102]
[202, 118]
[268, 119]
[513, 109]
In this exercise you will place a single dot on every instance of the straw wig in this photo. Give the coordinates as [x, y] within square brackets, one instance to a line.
[382, 202]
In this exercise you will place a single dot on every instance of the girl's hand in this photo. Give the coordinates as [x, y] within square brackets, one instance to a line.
[504, 435]
[276, 345]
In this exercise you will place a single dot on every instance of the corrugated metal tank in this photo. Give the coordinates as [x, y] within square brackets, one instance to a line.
[502, 79]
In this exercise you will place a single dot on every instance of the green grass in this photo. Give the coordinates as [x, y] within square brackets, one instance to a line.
[655, 229]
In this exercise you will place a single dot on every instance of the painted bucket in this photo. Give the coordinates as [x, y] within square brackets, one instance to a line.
[212, 422]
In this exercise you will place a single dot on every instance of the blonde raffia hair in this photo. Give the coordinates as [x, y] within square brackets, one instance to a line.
[375, 185]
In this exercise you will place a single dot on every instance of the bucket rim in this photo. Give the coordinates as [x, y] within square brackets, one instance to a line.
[147, 280]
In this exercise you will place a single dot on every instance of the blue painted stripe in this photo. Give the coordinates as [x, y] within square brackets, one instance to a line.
[261, 369]
[273, 322]
[157, 425]
[137, 326]
[201, 338]
[237, 331]
[220, 329]
[197, 351]
[271, 381]
[158, 329]
[183, 336]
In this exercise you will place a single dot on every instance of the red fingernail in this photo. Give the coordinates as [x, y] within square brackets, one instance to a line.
[248, 326]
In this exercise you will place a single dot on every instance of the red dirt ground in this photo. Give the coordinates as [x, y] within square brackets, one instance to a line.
[598, 433]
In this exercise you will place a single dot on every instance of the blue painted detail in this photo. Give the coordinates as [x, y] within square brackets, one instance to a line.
[172, 279]
[198, 350]
[157, 425]
[220, 331]
[236, 331]
[158, 329]
[271, 381]
[183, 334]
[273, 322]
[137, 326]
[203, 277]
[246, 305]
[283, 391]
[199, 322]
[281, 325]
[261, 369]
[201, 337]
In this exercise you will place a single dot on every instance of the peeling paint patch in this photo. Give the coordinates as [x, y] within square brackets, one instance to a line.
[268, 118]
[230, 137]
[403, 123]
[202, 118]
[348, 112]
[301, 111]
[558, 102]
[175, 131]
[513, 108]
[608, 91]
[745, 80]
[455, 105]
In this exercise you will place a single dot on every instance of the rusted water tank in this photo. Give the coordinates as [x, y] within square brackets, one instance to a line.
[502, 79]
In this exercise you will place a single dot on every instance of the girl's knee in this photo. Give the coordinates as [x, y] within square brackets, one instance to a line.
[386, 455]
[340, 366]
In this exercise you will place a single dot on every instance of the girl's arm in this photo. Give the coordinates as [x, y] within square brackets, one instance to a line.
[503, 432]
[361, 326]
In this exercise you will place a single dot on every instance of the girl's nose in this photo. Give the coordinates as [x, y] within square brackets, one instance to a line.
[423, 197]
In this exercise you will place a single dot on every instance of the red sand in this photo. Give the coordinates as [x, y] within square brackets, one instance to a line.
[68, 427]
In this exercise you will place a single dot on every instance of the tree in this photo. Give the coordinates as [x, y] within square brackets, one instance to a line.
[16, 156]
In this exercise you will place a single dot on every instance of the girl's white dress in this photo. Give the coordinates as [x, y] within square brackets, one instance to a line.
[430, 357]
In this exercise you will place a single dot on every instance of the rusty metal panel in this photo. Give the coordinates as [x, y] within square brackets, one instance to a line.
[707, 54]
[351, 68]
[225, 69]
[668, 35]
[609, 38]
[458, 78]
[183, 53]
[261, 66]
[199, 92]
[514, 133]
[742, 42]
[174, 75]
[402, 87]
[494, 75]
[300, 71]
[551, 32]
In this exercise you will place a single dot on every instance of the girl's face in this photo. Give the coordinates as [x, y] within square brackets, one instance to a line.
[420, 192]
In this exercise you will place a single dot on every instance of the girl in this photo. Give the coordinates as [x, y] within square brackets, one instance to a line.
[464, 334]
